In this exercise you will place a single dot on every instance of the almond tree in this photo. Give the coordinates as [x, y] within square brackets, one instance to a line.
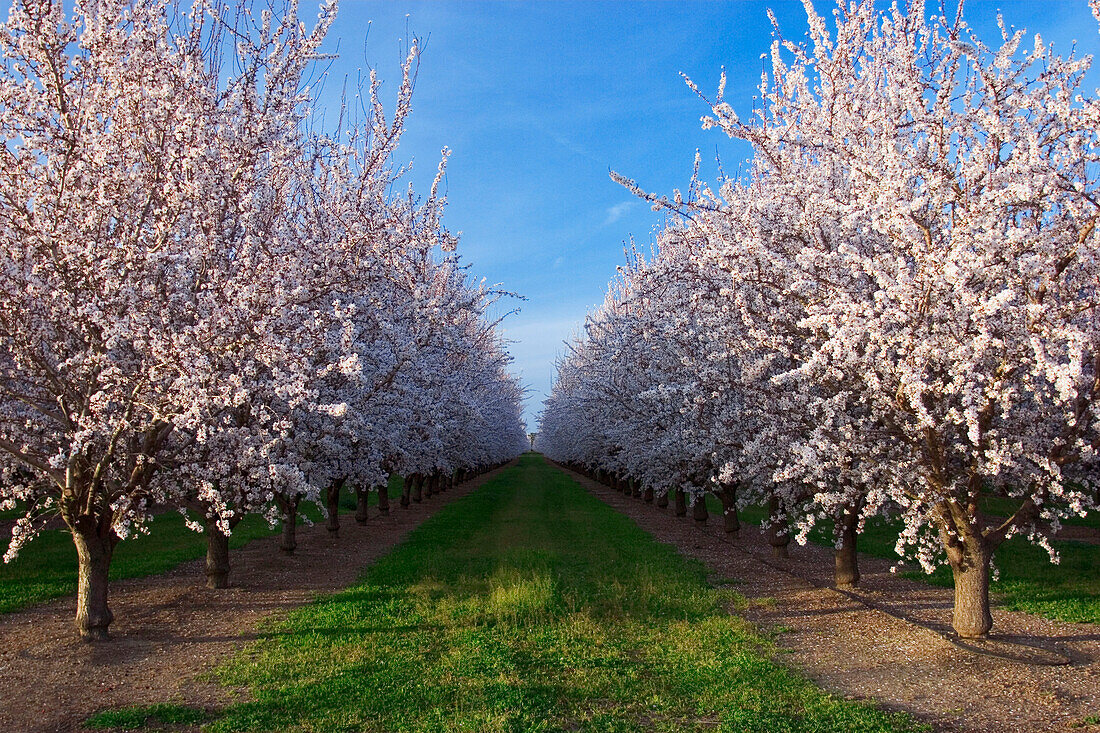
[906, 284]
[95, 186]
[121, 290]
[960, 308]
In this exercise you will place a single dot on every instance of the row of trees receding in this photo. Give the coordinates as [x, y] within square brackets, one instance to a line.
[896, 312]
[208, 302]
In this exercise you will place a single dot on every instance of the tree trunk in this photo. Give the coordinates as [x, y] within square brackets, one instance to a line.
[847, 561]
[699, 509]
[362, 513]
[332, 502]
[418, 489]
[217, 556]
[406, 490]
[93, 552]
[972, 618]
[662, 500]
[384, 499]
[647, 495]
[969, 553]
[969, 556]
[731, 523]
[636, 488]
[429, 485]
[681, 503]
[290, 524]
[778, 533]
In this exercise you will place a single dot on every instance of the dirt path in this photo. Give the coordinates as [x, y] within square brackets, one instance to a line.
[170, 628]
[867, 652]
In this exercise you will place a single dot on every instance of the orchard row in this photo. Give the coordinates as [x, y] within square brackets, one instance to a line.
[895, 312]
[208, 301]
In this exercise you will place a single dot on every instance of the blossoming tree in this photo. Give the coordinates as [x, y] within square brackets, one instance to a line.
[912, 263]
[203, 306]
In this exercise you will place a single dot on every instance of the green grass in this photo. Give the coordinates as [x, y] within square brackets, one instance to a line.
[13, 513]
[1069, 591]
[46, 567]
[528, 605]
[141, 717]
[1002, 506]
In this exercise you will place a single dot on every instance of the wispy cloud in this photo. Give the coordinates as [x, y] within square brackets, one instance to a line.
[618, 211]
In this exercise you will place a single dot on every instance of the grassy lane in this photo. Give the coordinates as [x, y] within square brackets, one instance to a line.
[526, 606]
[46, 567]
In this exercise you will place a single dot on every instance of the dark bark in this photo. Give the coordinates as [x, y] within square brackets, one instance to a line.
[731, 522]
[847, 559]
[662, 500]
[332, 503]
[699, 509]
[406, 489]
[95, 544]
[290, 524]
[418, 488]
[217, 556]
[384, 499]
[680, 500]
[778, 533]
[362, 514]
[647, 495]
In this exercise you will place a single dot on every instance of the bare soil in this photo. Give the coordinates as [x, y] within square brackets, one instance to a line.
[170, 630]
[890, 641]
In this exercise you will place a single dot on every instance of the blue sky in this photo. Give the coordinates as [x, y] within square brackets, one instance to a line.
[539, 100]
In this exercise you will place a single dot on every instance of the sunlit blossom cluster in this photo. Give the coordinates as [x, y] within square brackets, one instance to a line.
[206, 300]
[895, 312]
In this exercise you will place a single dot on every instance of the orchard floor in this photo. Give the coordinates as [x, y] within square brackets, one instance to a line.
[171, 632]
[170, 629]
[891, 640]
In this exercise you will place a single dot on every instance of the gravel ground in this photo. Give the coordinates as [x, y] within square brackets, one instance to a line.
[170, 629]
[891, 642]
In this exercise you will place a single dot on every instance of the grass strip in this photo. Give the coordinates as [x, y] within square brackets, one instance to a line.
[1027, 580]
[146, 715]
[46, 567]
[528, 605]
